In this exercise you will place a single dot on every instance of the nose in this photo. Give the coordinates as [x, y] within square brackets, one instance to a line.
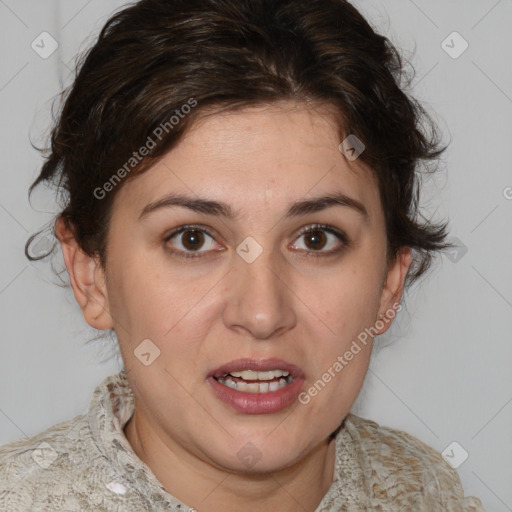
[260, 300]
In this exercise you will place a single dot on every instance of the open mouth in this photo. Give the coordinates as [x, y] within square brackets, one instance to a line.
[249, 381]
[257, 386]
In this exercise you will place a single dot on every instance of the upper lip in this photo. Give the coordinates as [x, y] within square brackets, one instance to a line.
[257, 365]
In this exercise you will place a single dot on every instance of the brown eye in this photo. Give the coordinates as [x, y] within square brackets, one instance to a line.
[315, 240]
[190, 242]
[322, 240]
[192, 239]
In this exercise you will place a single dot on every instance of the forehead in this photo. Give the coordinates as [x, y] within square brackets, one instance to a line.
[260, 156]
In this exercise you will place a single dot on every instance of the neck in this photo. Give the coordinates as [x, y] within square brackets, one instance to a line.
[201, 485]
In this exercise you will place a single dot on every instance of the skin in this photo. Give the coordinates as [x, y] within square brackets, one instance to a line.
[207, 311]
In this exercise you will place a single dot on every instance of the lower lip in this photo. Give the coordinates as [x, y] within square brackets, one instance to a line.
[258, 403]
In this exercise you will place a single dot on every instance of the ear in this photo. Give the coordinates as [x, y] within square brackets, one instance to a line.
[87, 279]
[393, 288]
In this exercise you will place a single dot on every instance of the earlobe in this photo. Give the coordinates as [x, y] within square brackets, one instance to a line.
[393, 287]
[87, 279]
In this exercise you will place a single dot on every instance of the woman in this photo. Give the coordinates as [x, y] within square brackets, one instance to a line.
[240, 209]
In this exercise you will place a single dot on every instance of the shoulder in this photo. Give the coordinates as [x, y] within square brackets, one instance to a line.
[402, 470]
[46, 468]
[393, 447]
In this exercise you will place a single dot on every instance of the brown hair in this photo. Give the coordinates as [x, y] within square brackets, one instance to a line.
[155, 57]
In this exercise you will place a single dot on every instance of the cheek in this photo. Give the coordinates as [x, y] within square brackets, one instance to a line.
[348, 300]
[346, 309]
[142, 302]
[330, 394]
[342, 349]
[166, 309]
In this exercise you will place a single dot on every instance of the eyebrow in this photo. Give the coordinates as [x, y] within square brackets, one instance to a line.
[210, 207]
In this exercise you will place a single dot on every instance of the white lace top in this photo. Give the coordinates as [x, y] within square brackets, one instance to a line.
[86, 464]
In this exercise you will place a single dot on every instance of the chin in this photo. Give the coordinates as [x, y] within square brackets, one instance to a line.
[258, 454]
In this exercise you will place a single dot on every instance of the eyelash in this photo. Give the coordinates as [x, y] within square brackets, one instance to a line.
[342, 237]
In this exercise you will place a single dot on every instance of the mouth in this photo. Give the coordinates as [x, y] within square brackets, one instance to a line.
[250, 381]
[257, 386]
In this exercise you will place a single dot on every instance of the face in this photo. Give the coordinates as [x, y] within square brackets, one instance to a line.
[264, 272]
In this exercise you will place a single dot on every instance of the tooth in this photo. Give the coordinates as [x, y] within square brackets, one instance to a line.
[263, 387]
[229, 383]
[254, 387]
[262, 375]
[268, 375]
[273, 386]
[241, 386]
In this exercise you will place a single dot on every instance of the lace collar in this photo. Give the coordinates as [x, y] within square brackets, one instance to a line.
[112, 405]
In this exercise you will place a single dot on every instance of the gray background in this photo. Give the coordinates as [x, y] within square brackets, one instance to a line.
[443, 373]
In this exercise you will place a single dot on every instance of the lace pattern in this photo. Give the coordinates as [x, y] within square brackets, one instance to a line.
[87, 464]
